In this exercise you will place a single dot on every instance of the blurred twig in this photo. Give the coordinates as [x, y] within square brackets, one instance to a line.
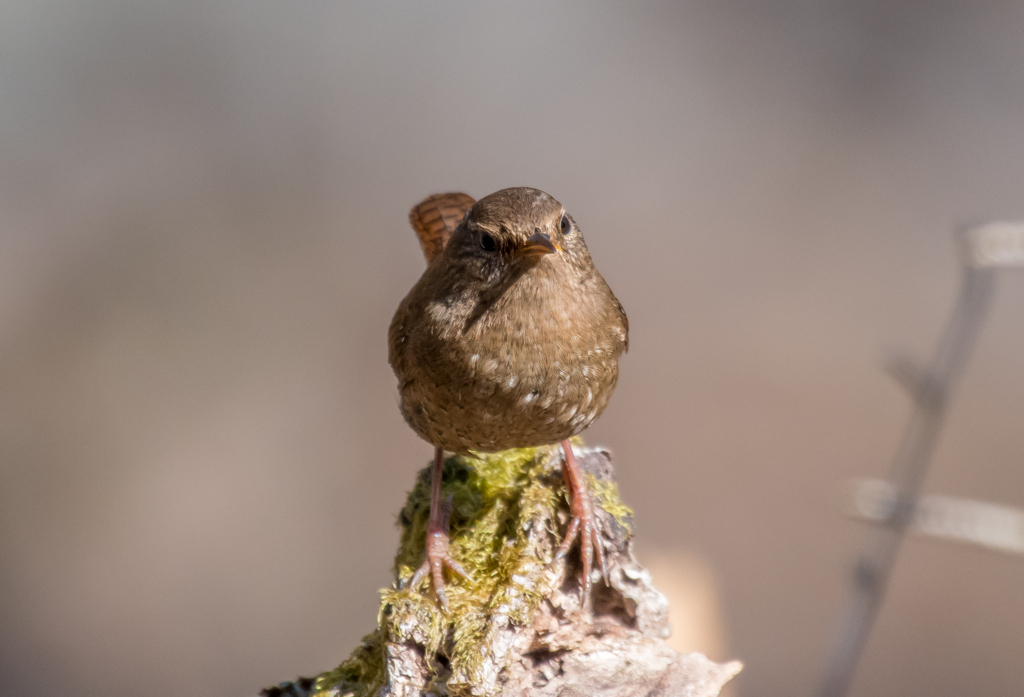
[930, 387]
[990, 525]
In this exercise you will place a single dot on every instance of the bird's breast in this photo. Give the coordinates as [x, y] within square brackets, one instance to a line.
[533, 366]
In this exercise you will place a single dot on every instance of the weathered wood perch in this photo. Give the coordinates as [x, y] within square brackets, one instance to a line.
[517, 627]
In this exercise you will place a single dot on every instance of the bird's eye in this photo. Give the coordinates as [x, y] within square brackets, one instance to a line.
[487, 242]
[566, 225]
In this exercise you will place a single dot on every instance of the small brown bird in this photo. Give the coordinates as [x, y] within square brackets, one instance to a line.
[510, 339]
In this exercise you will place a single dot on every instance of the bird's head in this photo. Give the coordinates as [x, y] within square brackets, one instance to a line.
[514, 230]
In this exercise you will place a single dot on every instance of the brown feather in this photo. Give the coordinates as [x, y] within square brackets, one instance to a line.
[435, 218]
[495, 351]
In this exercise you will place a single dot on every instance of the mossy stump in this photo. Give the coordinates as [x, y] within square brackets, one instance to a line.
[516, 628]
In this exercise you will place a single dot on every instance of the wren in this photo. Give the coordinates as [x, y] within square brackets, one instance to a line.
[510, 339]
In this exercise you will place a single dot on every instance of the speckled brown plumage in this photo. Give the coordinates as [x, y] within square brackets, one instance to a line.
[510, 339]
[497, 350]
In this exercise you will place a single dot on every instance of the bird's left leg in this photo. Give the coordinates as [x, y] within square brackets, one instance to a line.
[584, 522]
[436, 552]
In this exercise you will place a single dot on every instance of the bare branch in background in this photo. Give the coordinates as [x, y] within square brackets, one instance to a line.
[984, 248]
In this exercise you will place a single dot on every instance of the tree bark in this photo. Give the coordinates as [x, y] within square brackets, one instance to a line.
[517, 627]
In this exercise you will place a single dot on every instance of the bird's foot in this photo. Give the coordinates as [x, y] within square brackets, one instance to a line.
[437, 558]
[584, 524]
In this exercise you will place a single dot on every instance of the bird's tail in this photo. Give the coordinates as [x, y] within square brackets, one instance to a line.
[435, 218]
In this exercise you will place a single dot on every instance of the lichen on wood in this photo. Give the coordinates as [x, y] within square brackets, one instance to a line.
[516, 627]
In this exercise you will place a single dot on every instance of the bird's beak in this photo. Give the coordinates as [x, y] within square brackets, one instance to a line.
[538, 244]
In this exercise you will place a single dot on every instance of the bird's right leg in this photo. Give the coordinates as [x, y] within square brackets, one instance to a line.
[436, 548]
[584, 523]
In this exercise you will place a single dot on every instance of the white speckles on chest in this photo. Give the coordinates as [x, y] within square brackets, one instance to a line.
[533, 368]
[439, 312]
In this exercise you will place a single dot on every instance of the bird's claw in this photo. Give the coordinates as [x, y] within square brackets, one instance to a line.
[585, 525]
[437, 558]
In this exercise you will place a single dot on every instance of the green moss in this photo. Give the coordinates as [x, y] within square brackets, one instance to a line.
[361, 675]
[606, 491]
[495, 501]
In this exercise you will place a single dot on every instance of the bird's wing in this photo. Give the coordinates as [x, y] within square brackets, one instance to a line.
[435, 218]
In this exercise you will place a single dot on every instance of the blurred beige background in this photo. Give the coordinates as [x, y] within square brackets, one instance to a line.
[203, 236]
